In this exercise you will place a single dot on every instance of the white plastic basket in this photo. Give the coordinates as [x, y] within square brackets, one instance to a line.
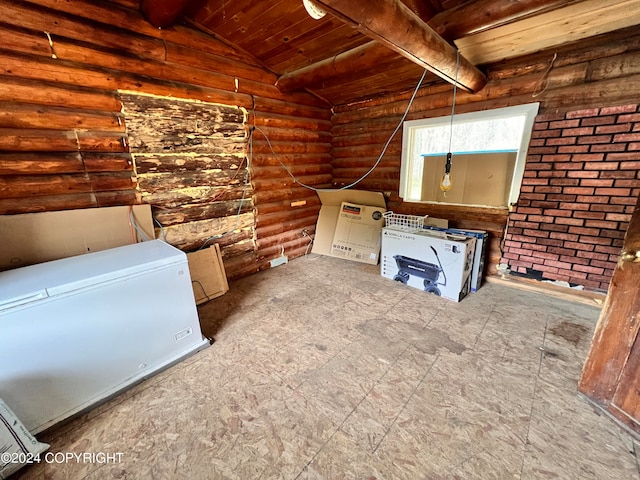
[406, 223]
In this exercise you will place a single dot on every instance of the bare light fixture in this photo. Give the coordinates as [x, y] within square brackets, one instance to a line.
[446, 183]
[313, 10]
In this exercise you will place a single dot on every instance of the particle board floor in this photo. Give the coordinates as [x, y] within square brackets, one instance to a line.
[322, 369]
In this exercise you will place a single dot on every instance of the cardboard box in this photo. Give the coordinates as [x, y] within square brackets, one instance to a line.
[351, 232]
[436, 262]
[357, 233]
[479, 256]
[31, 238]
[208, 277]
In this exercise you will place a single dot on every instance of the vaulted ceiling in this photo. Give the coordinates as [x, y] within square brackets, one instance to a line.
[345, 57]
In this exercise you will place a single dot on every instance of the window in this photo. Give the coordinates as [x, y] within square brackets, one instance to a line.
[489, 152]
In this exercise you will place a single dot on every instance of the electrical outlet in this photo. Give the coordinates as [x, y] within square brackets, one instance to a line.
[282, 259]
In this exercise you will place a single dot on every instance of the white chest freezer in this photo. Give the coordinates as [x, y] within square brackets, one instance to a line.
[76, 331]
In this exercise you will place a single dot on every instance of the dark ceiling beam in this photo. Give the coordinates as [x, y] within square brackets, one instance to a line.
[354, 62]
[162, 13]
[393, 24]
[422, 8]
[469, 17]
[474, 17]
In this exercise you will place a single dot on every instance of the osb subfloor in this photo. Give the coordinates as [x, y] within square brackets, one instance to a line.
[322, 369]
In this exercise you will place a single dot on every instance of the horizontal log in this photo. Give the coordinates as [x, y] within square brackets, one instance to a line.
[282, 107]
[54, 94]
[373, 184]
[149, 141]
[287, 148]
[201, 230]
[379, 172]
[228, 118]
[25, 41]
[106, 162]
[21, 140]
[187, 56]
[288, 194]
[238, 248]
[284, 238]
[196, 195]
[369, 126]
[311, 199]
[262, 220]
[159, 182]
[291, 135]
[242, 266]
[243, 236]
[274, 251]
[317, 181]
[31, 16]
[297, 224]
[297, 170]
[377, 138]
[161, 163]
[190, 213]
[285, 121]
[47, 203]
[74, 74]
[16, 186]
[369, 150]
[14, 115]
[364, 162]
[265, 160]
[618, 66]
[128, 18]
[40, 163]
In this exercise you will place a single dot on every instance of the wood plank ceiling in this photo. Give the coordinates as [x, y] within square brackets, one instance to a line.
[335, 61]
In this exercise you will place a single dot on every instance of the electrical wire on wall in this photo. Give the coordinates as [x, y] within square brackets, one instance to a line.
[375, 165]
[292, 175]
[544, 80]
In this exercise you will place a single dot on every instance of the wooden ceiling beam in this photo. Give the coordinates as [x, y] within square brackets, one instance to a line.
[469, 17]
[474, 17]
[393, 24]
[162, 13]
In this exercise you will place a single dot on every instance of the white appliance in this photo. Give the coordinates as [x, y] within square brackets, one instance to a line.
[76, 331]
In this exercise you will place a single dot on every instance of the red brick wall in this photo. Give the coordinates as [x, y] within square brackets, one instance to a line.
[581, 182]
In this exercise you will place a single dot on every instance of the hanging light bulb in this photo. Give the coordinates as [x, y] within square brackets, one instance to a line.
[446, 183]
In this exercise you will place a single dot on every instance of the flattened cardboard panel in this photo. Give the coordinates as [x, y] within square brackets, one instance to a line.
[32, 238]
[208, 277]
[357, 233]
[330, 211]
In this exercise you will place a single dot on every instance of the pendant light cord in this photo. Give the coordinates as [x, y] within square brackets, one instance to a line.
[453, 104]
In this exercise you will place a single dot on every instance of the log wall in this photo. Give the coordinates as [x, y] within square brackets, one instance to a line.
[63, 138]
[600, 72]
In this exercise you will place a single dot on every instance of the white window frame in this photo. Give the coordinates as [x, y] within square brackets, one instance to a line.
[410, 127]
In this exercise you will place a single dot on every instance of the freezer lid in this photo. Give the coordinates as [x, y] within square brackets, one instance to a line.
[38, 282]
